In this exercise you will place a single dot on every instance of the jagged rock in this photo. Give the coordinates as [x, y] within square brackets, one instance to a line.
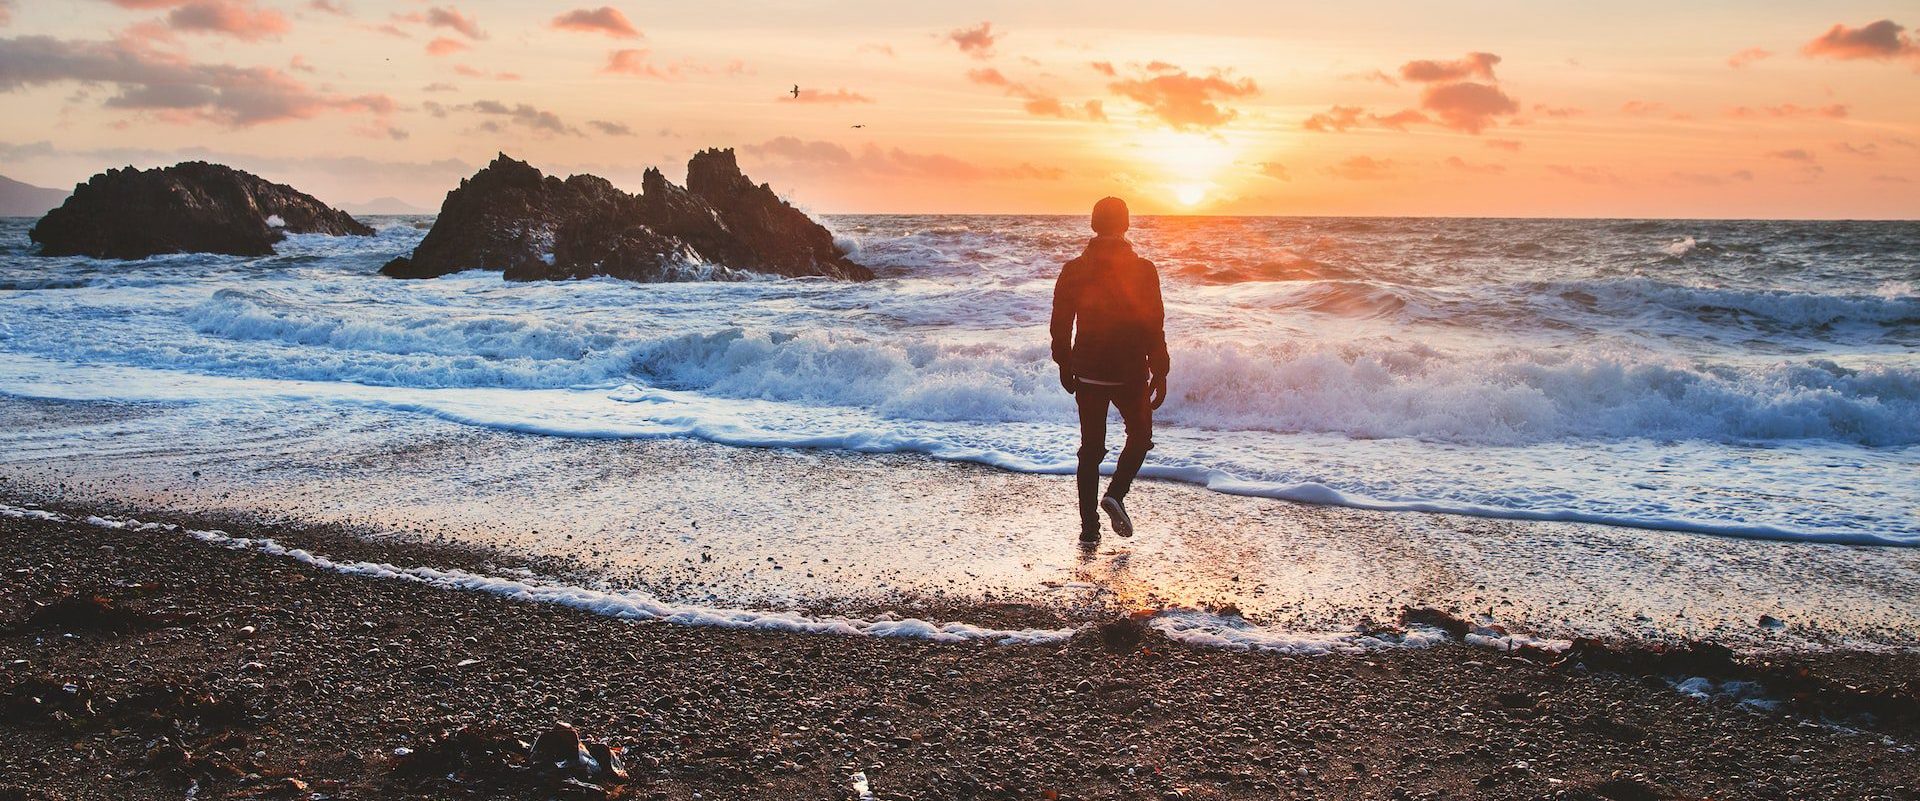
[534, 227]
[190, 207]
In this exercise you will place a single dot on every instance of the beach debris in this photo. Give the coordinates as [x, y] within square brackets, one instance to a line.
[1453, 625]
[1621, 787]
[862, 789]
[558, 761]
[1124, 634]
[85, 611]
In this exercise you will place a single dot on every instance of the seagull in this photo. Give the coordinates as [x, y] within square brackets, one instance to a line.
[862, 125]
[796, 91]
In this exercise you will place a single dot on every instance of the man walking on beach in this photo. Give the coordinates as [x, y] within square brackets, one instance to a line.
[1109, 338]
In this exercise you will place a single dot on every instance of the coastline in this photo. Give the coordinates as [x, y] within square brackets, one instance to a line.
[339, 670]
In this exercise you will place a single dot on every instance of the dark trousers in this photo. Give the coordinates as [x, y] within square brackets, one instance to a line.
[1137, 413]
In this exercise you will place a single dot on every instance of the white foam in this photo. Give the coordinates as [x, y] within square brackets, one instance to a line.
[1234, 632]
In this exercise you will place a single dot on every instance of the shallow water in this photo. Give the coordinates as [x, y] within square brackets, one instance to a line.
[1747, 378]
[690, 524]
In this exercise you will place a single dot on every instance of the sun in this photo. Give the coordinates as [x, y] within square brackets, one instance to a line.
[1190, 165]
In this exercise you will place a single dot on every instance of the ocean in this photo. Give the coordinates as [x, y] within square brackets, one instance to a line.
[1741, 378]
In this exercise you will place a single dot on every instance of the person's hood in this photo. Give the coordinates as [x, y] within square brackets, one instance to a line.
[1106, 245]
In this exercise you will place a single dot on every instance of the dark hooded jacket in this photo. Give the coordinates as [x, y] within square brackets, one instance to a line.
[1108, 322]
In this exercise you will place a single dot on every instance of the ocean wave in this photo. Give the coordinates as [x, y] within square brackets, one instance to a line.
[1369, 390]
[1775, 308]
[1368, 387]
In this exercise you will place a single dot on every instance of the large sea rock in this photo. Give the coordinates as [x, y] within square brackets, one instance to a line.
[535, 227]
[190, 207]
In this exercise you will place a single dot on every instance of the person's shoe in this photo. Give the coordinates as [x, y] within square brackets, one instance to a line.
[1090, 533]
[1117, 512]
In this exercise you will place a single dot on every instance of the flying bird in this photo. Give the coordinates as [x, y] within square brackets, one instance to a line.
[796, 91]
[862, 125]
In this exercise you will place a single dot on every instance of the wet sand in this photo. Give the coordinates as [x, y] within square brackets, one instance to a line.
[222, 673]
[694, 522]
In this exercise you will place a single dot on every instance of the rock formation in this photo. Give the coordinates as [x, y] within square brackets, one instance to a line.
[532, 227]
[190, 207]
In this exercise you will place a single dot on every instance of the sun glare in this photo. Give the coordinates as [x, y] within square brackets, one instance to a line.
[1190, 164]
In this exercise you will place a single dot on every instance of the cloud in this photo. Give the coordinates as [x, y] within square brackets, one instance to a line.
[328, 7]
[299, 63]
[1711, 179]
[1337, 119]
[1275, 170]
[1363, 168]
[976, 41]
[1791, 154]
[1509, 145]
[240, 19]
[610, 128]
[1466, 166]
[880, 48]
[1877, 41]
[1468, 107]
[1473, 65]
[1182, 100]
[603, 20]
[177, 89]
[1038, 103]
[1789, 111]
[1748, 56]
[788, 148]
[445, 17]
[1557, 111]
[439, 86]
[1867, 150]
[6, 13]
[1340, 119]
[522, 114]
[833, 98]
[1375, 76]
[632, 61]
[1448, 99]
[1104, 68]
[444, 46]
[873, 161]
[1642, 108]
[475, 72]
[1586, 175]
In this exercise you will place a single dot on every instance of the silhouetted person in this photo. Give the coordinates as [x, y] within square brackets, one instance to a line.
[1109, 338]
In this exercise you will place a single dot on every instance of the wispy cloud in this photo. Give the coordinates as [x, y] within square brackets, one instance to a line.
[836, 97]
[605, 20]
[977, 41]
[1183, 100]
[875, 161]
[1877, 41]
[175, 89]
[1472, 65]
[1037, 102]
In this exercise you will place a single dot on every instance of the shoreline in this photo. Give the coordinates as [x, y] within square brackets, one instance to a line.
[693, 523]
[339, 670]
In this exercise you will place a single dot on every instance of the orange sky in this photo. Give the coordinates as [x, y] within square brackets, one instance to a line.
[1523, 109]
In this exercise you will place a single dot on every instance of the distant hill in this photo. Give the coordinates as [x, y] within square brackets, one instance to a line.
[26, 200]
[384, 205]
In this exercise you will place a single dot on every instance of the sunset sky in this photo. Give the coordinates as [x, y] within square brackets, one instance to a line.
[1658, 109]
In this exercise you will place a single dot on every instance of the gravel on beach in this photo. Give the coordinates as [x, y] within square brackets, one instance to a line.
[149, 665]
